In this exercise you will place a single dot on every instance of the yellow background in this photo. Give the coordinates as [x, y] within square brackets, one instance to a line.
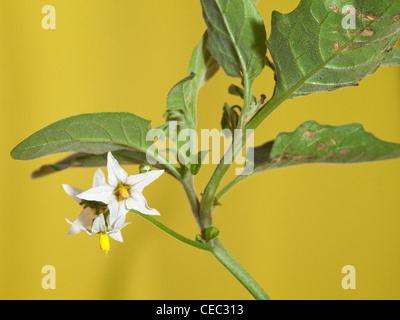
[292, 229]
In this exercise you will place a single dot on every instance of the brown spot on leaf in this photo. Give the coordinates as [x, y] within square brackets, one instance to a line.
[336, 46]
[308, 134]
[367, 33]
[293, 157]
[395, 17]
[356, 45]
[345, 151]
[322, 146]
[333, 8]
[333, 141]
[368, 16]
[361, 15]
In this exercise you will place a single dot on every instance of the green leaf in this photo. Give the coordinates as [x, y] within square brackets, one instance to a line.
[315, 143]
[182, 99]
[237, 91]
[313, 52]
[178, 107]
[230, 117]
[236, 36]
[195, 166]
[84, 160]
[392, 59]
[203, 65]
[95, 133]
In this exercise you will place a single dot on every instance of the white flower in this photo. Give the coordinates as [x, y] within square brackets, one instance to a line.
[123, 192]
[101, 226]
[90, 211]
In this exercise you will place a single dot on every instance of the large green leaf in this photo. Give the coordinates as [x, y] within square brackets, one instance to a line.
[315, 143]
[312, 51]
[95, 133]
[392, 59]
[236, 36]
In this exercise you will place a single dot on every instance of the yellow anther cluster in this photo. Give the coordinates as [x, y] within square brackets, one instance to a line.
[122, 192]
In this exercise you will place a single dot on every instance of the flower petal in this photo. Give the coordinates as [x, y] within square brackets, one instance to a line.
[83, 221]
[138, 202]
[113, 207]
[123, 209]
[103, 193]
[117, 210]
[119, 223]
[72, 192]
[98, 178]
[76, 228]
[115, 173]
[141, 180]
[99, 224]
[117, 235]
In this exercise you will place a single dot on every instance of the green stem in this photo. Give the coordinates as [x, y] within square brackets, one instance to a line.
[203, 211]
[219, 251]
[264, 112]
[188, 186]
[208, 200]
[172, 233]
[248, 85]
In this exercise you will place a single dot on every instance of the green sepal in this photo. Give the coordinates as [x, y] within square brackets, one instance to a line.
[200, 239]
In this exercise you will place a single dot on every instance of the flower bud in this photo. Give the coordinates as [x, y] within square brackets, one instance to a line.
[145, 167]
[211, 233]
